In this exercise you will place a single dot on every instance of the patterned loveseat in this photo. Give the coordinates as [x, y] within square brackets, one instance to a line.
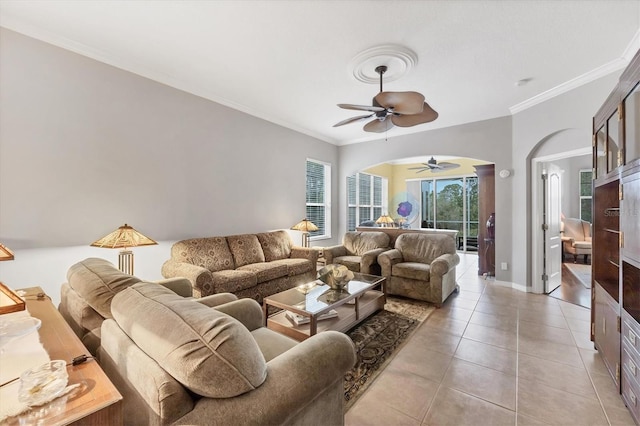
[248, 265]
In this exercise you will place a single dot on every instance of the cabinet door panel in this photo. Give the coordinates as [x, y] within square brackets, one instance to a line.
[613, 142]
[632, 125]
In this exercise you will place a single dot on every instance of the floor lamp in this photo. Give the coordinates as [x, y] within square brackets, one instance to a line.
[123, 238]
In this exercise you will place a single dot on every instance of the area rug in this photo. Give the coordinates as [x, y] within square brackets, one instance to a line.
[581, 271]
[378, 339]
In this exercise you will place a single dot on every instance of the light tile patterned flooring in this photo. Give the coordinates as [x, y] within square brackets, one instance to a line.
[495, 356]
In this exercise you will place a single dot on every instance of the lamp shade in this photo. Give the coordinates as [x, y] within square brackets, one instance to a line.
[123, 237]
[5, 253]
[385, 219]
[305, 225]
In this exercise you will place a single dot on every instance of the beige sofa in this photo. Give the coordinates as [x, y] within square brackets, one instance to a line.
[176, 361]
[249, 265]
[85, 299]
[359, 251]
[576, 238]
[421, 266]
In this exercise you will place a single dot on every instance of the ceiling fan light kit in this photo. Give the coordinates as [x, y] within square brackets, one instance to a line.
[389, 109]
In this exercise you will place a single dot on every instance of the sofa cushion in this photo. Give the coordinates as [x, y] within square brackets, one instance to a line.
[412, 270]
[351, 262]
[582, 244]
[245, 249]
[275, 245]
[424, 248]
[211, 253]
[271, 343]
[209, 352]
[233, 280]
[97, 281]
[296, 266]
[358, 243]
[266, 271]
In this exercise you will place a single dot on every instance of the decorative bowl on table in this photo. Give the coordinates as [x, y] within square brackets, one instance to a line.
[13, 327]
[335, 276]
[306, 288]
[42, 384]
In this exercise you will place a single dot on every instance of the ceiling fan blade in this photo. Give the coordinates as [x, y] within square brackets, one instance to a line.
[422, 169]
[353, 120]
[377, 126]
[427, 115]
[401, 102]
[361, 107]
[448, 166]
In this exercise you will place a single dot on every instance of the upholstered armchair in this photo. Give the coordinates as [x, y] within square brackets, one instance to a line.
[359, 251]
[176, 361]
[421, 266]
[576, 238]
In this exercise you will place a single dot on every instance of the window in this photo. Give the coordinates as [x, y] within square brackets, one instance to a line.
[366, 197]
[585, 195]
[319, 198]
[452, 203]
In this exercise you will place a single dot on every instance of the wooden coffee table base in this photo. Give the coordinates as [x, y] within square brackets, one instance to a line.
[369, 303]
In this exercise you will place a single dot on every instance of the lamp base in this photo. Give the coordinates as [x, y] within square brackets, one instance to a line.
[125, 261]
[305, 239]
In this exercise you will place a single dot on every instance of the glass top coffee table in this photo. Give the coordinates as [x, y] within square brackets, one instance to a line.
[305, 306]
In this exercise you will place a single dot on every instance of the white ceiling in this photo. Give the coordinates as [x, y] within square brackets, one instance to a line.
[287, 61]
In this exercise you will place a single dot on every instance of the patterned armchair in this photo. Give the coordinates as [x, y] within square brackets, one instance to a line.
[359, 251]
[421, 266]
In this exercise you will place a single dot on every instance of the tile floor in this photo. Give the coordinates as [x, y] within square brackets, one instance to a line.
[495, 356]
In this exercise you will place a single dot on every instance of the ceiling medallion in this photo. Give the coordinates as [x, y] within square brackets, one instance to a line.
[398, 59]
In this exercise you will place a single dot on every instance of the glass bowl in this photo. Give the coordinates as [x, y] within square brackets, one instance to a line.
[43, 383]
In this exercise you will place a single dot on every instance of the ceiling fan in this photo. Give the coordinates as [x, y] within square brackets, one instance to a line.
[402, 109]
[435, 167]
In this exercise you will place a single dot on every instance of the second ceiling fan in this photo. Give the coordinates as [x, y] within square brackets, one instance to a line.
[433, 166]
[402, 109]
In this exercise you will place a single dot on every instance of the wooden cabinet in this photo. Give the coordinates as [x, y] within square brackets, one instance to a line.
[486, 207]
[615, 314]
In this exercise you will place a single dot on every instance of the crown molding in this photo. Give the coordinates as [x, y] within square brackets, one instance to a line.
[581, 80]
[606, 69]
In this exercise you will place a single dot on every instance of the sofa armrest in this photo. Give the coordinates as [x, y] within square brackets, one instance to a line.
[217, 299]
[179, 285]
[370, 258]
[200, 278]
[444, 263]
[247, 311]
[332, 252]
[294, 380]
[387, 259]
[305, 253]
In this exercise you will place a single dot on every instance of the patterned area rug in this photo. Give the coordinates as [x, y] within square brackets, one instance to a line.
[377, 340]
[581, 272]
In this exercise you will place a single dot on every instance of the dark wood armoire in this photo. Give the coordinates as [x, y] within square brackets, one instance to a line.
[486, 207]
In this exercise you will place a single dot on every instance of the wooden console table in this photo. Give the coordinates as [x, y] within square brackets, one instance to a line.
[98, 402]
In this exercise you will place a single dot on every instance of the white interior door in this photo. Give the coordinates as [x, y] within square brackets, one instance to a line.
[552, 256]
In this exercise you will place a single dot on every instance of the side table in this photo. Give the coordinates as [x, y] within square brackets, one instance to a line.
[98, 402]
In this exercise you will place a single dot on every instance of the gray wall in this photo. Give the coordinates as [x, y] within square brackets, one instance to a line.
[561, 124]
[488, 140]
[86, 147]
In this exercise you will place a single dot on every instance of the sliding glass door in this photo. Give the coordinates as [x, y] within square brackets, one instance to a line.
[452, 203]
